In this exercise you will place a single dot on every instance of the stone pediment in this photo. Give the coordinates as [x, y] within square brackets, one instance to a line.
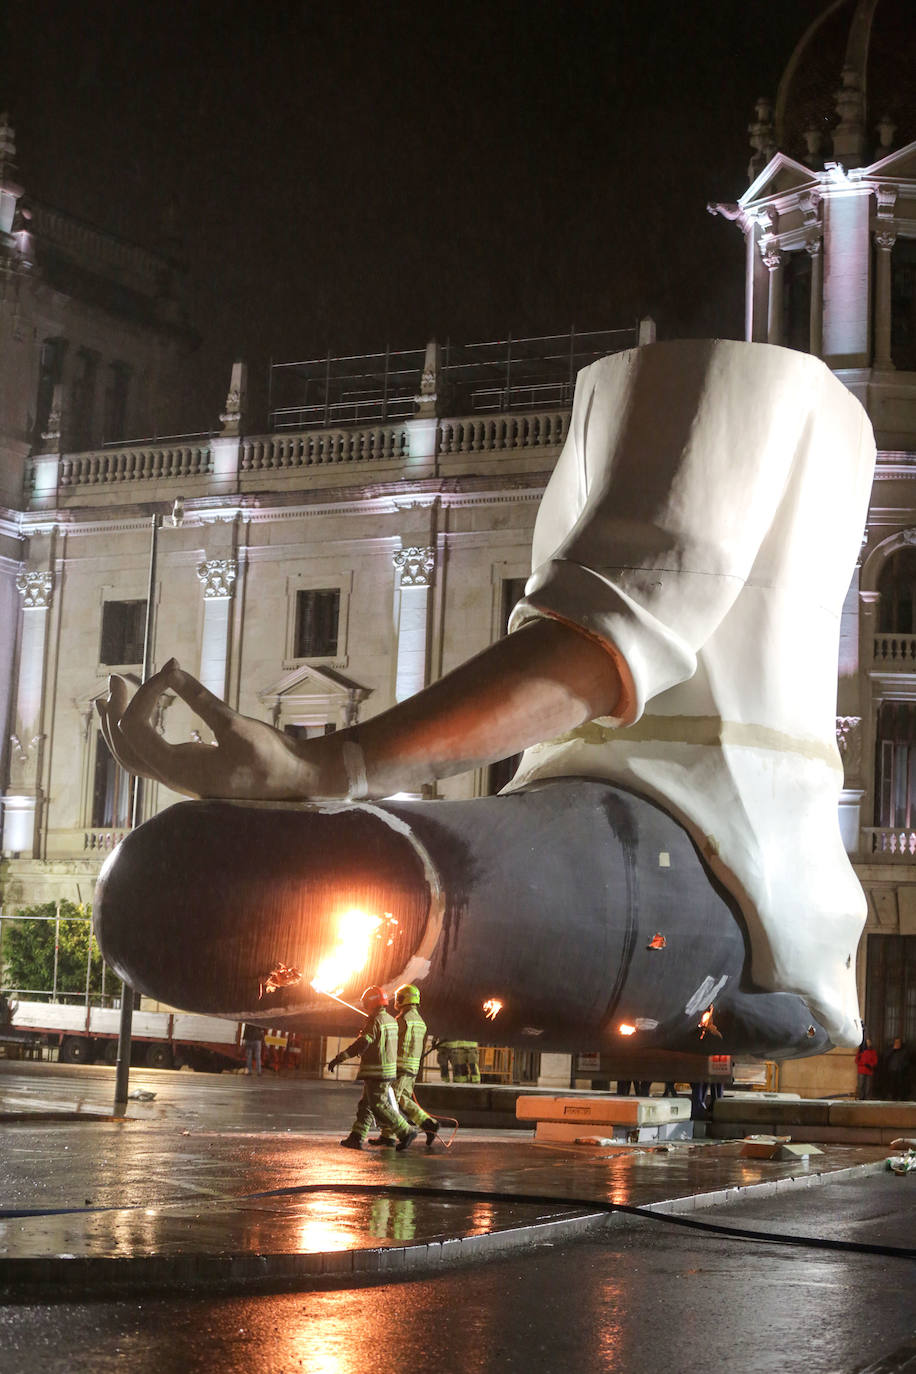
[781, 174]
[308, 691]
[900, 164]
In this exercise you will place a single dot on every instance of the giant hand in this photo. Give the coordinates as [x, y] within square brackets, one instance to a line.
[250, 759]
[531, 686]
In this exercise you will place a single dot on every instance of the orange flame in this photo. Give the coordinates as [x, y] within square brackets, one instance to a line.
[706, 1024]
[626, 1029]
[492, 1007]
[355, 932]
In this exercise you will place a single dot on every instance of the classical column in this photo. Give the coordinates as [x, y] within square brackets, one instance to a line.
[772, 259]
[884, 243]
[217, 577]
[816, 318]
[868, 619]
[21, 804]
[416, 567]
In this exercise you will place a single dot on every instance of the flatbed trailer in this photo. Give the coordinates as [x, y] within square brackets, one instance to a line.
[160, 1039]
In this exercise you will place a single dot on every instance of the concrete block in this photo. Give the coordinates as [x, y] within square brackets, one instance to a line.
[796, 1149]
[770, 1113]
[900, 1115]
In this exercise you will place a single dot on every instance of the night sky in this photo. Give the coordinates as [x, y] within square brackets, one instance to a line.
[348, 175]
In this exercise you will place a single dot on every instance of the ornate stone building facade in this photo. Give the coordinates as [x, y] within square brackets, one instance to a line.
[830, 233]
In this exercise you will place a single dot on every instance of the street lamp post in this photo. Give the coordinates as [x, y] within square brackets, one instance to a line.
[122, 1071]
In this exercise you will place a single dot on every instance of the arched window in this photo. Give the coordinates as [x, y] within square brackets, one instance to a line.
[897, 585]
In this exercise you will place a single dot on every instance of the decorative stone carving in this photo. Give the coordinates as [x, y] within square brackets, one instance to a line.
[885, 238]
[24, 761]
[234, 409]
[808, 202]
[35, 588]
[51, 434]
[909, 536]
[415, 566]
[849, 742]
[813, 248]
[772, 258]
[218, 577]
[886, 199]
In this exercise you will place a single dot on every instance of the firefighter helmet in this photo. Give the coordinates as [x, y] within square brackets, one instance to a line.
[373, 998]
[407, 996]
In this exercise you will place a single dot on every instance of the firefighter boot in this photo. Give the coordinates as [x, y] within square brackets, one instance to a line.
[432, 1131]
[408, 1140]
[381, 1140]
[352, 1142]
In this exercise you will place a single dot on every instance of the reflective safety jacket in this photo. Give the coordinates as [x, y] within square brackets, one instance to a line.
[377, 1047]
[411, 1034]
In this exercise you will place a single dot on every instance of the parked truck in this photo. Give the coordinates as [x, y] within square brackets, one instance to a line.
[160, 1039]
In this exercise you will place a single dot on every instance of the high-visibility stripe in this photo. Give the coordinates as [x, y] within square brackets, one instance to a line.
[411, 1034]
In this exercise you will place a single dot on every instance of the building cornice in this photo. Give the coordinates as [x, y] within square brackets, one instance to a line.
[269, 508]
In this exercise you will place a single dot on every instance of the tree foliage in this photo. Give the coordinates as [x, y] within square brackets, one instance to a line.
[27, 953]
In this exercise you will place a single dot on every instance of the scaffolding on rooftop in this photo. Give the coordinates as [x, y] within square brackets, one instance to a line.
[503, 374]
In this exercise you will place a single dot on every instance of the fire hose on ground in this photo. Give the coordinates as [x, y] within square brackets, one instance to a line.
[526, 1199]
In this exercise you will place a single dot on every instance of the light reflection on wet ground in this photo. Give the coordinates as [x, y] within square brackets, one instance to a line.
[300, 1224]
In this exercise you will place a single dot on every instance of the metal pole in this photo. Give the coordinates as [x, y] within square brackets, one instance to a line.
[88, 960]
[122, 1070]
[56, 949]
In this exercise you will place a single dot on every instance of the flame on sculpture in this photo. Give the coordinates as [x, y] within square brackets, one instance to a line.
[356, 932]
[492, 1007]
[282, 976]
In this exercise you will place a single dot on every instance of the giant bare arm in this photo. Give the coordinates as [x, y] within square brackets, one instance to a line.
[542, 680]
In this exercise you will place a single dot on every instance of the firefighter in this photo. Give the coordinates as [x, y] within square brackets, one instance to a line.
[377, 1048]
[465, 1061]
[411, 1035]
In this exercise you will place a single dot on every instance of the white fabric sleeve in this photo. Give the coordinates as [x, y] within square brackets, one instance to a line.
[676, 462]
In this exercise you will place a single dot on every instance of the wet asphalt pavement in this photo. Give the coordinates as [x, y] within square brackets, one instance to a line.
[645, 1296]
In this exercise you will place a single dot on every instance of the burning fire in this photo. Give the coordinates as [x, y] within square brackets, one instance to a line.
[283, 976]
[356, 931]
[706, 1024]
[626, 1029]
[492, 1007]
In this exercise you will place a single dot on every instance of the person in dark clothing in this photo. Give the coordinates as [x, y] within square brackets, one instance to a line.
[897, 1071]
[253, 1040]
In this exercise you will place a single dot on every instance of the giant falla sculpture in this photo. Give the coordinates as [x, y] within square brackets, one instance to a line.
[667, 861]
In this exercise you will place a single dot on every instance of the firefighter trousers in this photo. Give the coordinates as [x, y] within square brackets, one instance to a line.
[378, 1104]
[408, 1104]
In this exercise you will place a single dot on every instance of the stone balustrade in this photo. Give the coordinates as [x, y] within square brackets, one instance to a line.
[220, 459]
[156, 463]
[889, 842]
[511, 430]
[314, 447]
[102, 841]
[895, 652]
